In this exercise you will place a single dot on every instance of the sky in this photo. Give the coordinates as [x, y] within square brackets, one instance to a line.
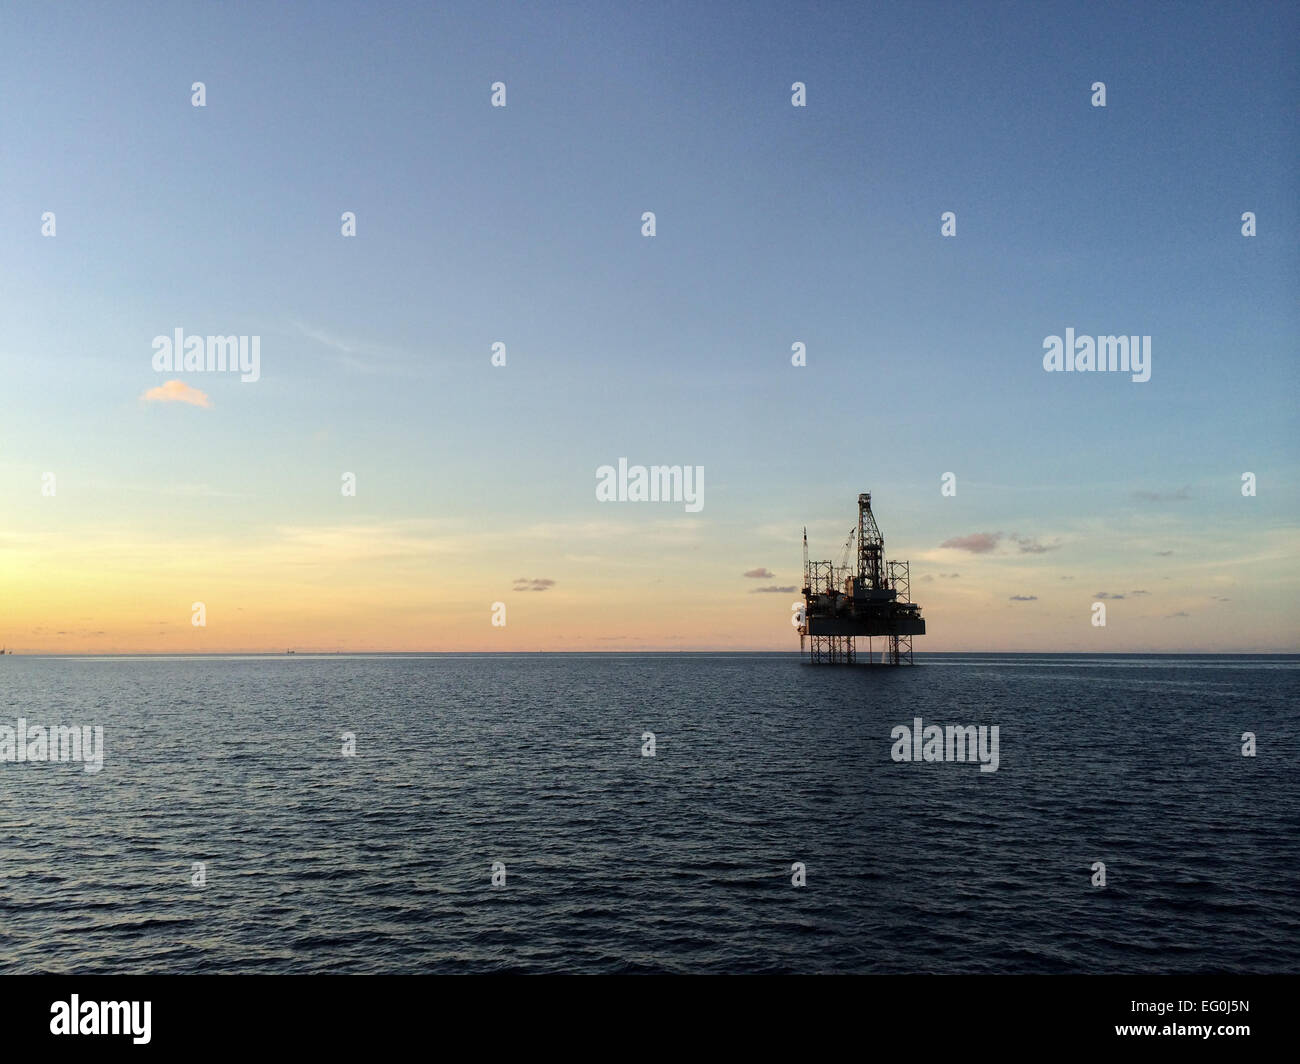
[475, 483]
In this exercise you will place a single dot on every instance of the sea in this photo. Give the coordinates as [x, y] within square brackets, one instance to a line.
[680, 813]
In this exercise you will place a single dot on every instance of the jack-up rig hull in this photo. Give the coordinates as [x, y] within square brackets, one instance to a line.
[841, 606]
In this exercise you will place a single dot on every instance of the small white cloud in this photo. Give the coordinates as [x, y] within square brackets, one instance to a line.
[176, 392]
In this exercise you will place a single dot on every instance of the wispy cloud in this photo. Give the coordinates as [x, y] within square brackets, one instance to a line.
[176, 392]
[760, 574]
[1030, 545]
[976, 542]
[542, 583]
[330, 340]
[361, 355]
[1024, 598]
[1180, 495]
[986, 543]
[665, 530]
[184, 490]
[773, 590]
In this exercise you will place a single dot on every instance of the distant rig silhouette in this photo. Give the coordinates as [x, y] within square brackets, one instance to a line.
[841, 606]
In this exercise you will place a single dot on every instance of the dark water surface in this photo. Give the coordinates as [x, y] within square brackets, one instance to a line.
[381, 862]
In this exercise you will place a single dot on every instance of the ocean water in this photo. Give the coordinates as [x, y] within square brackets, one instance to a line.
[681, 862]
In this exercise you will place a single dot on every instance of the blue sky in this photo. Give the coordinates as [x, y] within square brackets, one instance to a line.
[775, 224]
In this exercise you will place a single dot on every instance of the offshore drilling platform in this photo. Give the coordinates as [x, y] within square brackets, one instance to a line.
[841, 606]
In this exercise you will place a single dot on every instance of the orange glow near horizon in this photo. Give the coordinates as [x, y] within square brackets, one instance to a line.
[405, 589]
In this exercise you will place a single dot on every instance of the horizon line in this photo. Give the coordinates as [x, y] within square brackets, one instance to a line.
[518, 653]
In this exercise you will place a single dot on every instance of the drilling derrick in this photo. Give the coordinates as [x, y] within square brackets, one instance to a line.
[841, 606]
